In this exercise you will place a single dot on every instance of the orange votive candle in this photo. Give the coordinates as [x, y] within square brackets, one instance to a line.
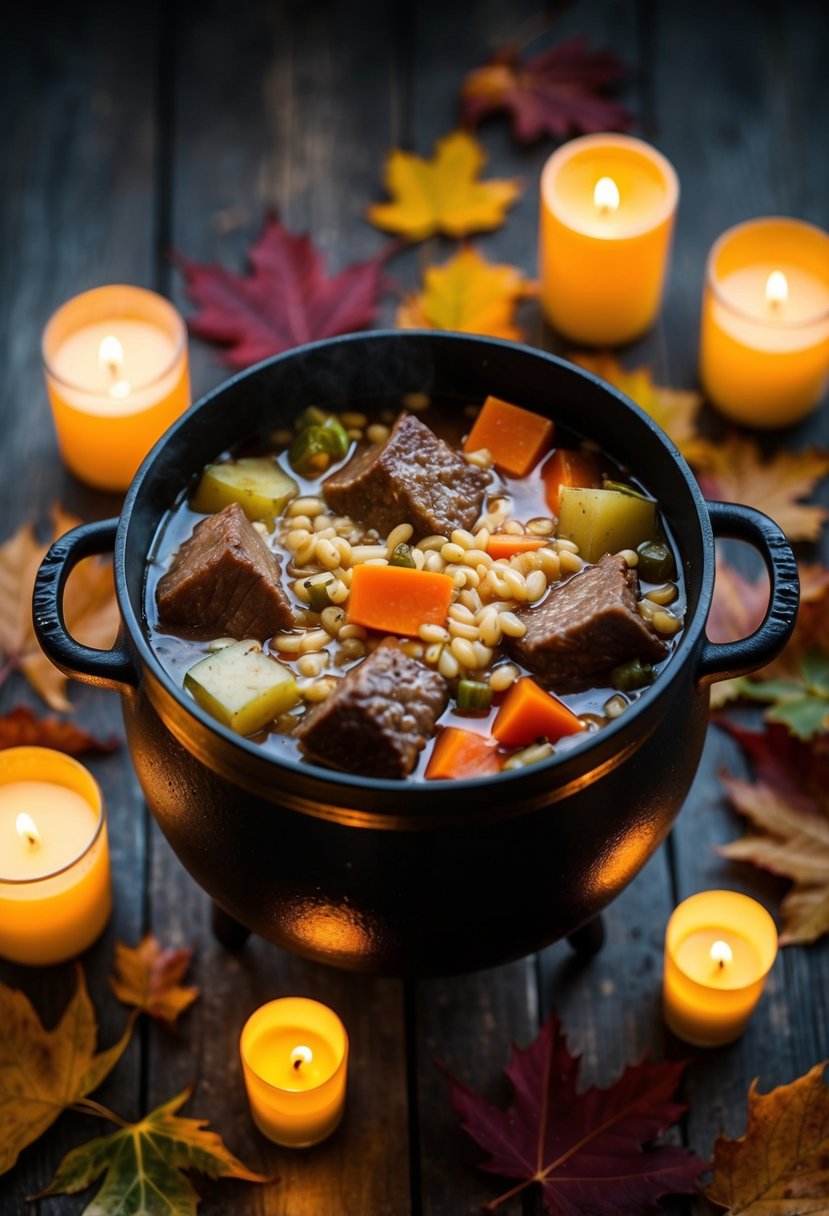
[764, 338]
[719, 948]
[55, 891]
[117, 375]
[295, 1062]
[606, 220]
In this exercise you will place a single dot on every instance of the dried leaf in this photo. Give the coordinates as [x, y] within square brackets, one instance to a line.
[789, 832]
[143, 1165]
[44, 1071]
[735, 471]
[674, 410]
[147, 977]
[558, 93]
[812, 626]
[584, 1150]
[22, 728]
[90, 609]
[737, 609]
[470, 295]
[442, 194]
[287, 299]
[780, 1167]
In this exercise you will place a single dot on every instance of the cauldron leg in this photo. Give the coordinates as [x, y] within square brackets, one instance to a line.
[228, 931]
[588, 939]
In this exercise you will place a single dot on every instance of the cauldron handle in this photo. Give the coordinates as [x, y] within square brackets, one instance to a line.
[103, 668]
[725, 660]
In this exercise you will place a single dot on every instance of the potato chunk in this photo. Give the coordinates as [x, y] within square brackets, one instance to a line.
[261, 488]
[604, 521]
[242, 687]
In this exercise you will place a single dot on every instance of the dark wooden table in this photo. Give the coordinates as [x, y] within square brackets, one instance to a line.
[126, 132]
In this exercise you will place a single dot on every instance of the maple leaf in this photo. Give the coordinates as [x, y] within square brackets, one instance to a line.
[470, 295]
[788, 812]
[42, 1072]
[674, 410]
[443, 194]
[147, 977]
[735, 471]
[801, 702]
[737, 609]
[779, 1167]
[584, 1150]
[288, 298]
[143, 1163]
[22, 728]
[558, 92]
[90, 609]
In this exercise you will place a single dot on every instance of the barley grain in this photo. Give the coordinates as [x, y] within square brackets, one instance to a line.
[511, 625]
[503, 677]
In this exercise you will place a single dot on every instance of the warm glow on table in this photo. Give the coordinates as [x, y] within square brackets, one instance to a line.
[764, 341]
[606, 220]
[719, 947]
[294, 1061]
[117, 375]
[55, 893]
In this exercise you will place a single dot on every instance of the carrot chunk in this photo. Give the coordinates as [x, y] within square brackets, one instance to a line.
[504, 544]
[567, 468]
[462, 753]
[528, 712]
[516, 438]
[397, 599]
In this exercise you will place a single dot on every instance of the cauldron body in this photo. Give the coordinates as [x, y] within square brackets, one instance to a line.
[399, 877]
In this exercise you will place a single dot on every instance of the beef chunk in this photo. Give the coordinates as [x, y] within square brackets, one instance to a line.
[587, 626]
[379, 717]
[414, 477]
[224, 580]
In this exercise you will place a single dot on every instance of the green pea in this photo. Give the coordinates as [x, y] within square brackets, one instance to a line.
[474, 695]
[312, 416]
[336, 437]
[631, 675]
[656, 561]
[401, 555]
[310, 452]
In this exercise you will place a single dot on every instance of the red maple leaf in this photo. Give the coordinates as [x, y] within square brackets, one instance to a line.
[557, 93]
[585, 1150]
[22, 728]
[287, 299]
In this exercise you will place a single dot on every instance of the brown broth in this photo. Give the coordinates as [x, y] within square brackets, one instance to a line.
[177, 653]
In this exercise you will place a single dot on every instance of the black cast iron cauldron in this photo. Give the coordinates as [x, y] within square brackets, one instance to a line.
[397, 877]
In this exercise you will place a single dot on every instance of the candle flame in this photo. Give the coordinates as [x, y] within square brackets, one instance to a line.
[27, 828]
[301, 1055]
[777, 288]
[721, 953]
[606, 195]
[111, 354]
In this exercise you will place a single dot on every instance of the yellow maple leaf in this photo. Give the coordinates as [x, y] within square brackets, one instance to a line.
[778, 1168]
[674, 410]
[147, 977]
[89, 604]
[470, 295]
[735, 471]
[442, 194]
[44, 1071]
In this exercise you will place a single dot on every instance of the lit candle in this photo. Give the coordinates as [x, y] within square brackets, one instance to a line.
[764, 339]
[294, 1061]
[55, 893]
[607, 214]
[117, 375]
[719, 948]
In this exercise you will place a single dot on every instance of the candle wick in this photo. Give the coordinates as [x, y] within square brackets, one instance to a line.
[297, 1062]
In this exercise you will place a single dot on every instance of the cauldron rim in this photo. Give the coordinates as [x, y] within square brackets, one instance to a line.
[416, 801]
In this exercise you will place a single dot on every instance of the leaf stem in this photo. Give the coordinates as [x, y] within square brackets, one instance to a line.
[87, 1106]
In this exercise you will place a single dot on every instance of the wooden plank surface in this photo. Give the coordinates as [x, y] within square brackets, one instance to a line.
[122, 136]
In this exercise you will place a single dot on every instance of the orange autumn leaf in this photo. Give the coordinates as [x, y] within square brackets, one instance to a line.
[22, 728]
[737, 609]
[779, 1166]
[736, 471]
[674, 410]
[147, 978]
[89, 604]
[45, 1071]
[443, 194]
[470, 295]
